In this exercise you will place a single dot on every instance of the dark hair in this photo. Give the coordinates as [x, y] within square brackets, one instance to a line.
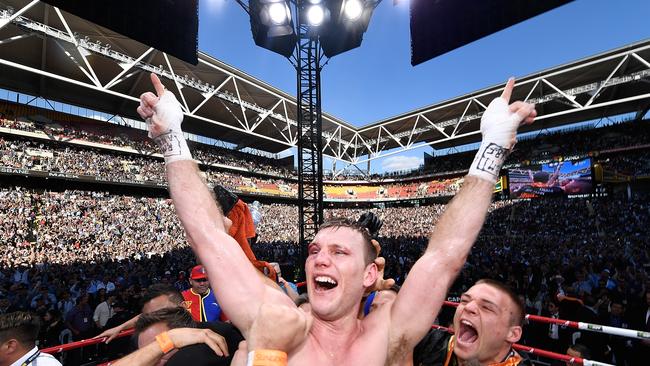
[371, 252]
[21, 326]
[54, 313]
[518, 314]
[583, 350]
[176, 317]
[160, 289]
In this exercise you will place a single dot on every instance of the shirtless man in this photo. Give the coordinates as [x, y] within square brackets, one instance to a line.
[340, 265]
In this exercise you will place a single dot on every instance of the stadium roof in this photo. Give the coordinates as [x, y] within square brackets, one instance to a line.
[56, 55]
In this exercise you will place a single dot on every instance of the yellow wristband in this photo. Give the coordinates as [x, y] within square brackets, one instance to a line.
[267, 357]
[165, 342]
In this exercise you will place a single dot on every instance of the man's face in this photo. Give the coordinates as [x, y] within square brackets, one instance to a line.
[157, 303]
[336, 272]
[647, 298]
[617, 309]
[149, 336]
[200, 285]
[482, 324]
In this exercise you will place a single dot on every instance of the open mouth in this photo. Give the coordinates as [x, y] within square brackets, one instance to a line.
[467, 333]
[325, 283]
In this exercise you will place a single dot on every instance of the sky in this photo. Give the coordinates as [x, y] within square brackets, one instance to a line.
[377, 81]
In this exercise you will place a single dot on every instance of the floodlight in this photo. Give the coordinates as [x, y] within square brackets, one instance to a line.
[352, 9]
[272, 26]
[344, 29]
[279, 13]
[315, 15]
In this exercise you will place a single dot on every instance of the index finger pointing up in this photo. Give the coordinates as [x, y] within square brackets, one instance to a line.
[157, 84]
[507, 91]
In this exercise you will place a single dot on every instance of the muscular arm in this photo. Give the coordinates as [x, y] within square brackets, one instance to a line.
[147, 355]
[423, 293]
[239, 289]
[428, 281]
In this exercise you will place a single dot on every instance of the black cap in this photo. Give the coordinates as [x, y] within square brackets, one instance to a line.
[225, 198]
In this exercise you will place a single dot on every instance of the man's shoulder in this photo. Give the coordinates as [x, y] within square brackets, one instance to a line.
[46, 359]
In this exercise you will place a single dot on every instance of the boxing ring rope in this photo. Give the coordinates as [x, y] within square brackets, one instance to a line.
[534, 351]
[543, 353]
[83, 343]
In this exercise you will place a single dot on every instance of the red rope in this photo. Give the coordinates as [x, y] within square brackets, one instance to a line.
[84, 343]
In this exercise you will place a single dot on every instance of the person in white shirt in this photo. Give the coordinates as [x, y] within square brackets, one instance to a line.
[103, 312]
[18, 333]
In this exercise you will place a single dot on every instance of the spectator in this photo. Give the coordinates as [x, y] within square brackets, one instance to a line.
[18, 334]
[200, 298]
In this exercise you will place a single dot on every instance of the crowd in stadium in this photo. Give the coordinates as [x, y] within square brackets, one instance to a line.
[114, 135]
[82, 261]
[563, 143]
[65, 245]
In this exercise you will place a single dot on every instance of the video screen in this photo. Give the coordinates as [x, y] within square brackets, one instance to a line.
[565, 178]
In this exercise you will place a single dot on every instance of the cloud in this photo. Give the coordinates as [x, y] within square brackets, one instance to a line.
[397, 163]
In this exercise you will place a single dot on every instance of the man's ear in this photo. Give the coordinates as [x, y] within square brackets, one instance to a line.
[514, 334]
[9, 346]
[370, 275]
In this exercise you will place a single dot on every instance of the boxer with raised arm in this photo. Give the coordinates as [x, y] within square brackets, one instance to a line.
[340, 264]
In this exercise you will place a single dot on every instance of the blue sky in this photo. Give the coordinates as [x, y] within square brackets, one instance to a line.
[377, 81]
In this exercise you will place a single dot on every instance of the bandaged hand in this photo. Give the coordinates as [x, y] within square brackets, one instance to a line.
[164, 116]
[499, 126]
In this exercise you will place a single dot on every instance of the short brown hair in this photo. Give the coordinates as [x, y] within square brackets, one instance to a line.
[21, 326]
[371, 252]
[518, 314]
[160, 289]
[176, 317]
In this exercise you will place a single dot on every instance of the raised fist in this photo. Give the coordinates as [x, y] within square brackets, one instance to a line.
[500, 121]
[499, 126]
[164, 116]
[161, 111]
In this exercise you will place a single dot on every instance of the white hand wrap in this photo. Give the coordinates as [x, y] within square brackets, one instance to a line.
[499, 130]
[172, 143]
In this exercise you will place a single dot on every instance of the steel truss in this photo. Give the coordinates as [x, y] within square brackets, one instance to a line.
[250, 117]
[581, 87]
[310, 153]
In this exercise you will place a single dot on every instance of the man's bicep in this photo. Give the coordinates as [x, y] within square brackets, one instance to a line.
[420, 299]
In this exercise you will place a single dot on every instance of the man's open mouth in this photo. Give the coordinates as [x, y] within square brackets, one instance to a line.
[325, 283]
[467, 332]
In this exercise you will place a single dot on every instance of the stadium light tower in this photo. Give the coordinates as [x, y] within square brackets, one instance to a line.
[322, 28]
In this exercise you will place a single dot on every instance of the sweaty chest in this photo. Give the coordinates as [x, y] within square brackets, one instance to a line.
[370, 349]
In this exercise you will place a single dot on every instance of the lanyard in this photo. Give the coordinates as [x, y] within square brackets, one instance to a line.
[31, 358]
